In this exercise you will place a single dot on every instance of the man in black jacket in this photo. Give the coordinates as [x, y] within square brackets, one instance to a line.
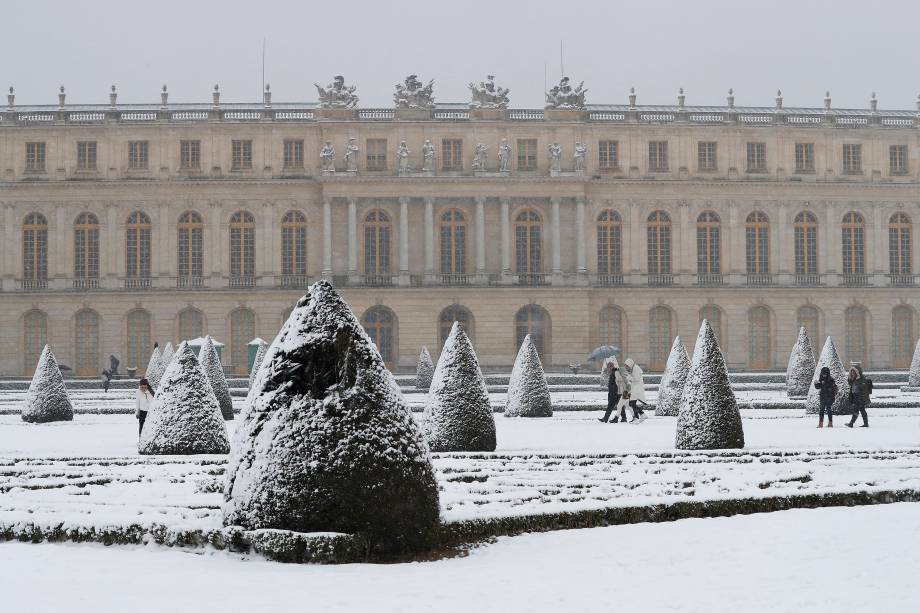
[613, 391]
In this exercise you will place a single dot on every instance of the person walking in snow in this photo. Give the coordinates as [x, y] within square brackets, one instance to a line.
[612, 372]
[143, 399]
[827, 393]
[860, 388]
[636, 391]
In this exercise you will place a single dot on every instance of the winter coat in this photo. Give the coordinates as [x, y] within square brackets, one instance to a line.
[142, 402]
[828, 390]
[637, 384]
[859, 391]
[625, 384]
[613, 386]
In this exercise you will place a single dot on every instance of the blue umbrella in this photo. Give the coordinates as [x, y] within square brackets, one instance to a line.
[603, 352]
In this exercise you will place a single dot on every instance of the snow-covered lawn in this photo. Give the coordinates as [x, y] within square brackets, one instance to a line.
[837, 560]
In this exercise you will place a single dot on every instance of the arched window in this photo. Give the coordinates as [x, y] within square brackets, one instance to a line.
[805, 230]
[528, 246]
[807, 317]
[854, 246]
[611, 327]
[757, 247]
[294, 244]
[86, 324]
[380, 324]
[609, 247]
[139, 344]
[759, 354]
[137, 246]
[453, 246]
[854, 319]
[377, 235]
[34, 339]
[903, 336]
[899, 247]
[713, 314]
[242, 330]
[533, 320]
[191, 324]
[660, 337]
[86, 247]
[35, 251]
[659, 244]
[243, 245]
[448, 316]
[190, 247]
[708, 244]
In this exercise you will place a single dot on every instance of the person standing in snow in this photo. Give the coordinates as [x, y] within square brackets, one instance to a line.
[636, 391]
[860, 388]
[827, 393]
[612, 372]
[143, 400]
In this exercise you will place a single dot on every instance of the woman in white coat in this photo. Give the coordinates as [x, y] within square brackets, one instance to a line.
[143, 400]
[636, 391]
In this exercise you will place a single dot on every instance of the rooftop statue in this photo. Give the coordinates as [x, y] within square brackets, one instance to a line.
[564, 96]
[487, 95]
[413, 95]
[337, 95]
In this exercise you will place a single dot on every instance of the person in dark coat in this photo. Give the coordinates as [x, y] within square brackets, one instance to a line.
[613, 390]
[827, 393]
[859, 396]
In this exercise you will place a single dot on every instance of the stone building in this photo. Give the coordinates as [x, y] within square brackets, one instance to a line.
[123, 225]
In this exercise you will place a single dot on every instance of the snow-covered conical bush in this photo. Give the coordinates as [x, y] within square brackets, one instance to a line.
[458, 413]
[708, 417]
[153, 365]
[257, 362]
[801, 366]
[528, 393]
[166, 357]
[185, 417]
[831, 359]
[47, 398]
[673, 380]
[913, 378]
[326, 442]
[424, 369]
[214, 371]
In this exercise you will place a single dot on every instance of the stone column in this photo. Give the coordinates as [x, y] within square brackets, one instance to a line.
[404, 279]
[637, 254]
[876, 256]
[481, 240]
[555, 241]
[506, 241]
[215, 242]
[429, 240]
[684, 231]
[11, 263]
[581, 261]
[159, 265]
[785, 260]
[327, 238]
[111, 266]
[353, 241]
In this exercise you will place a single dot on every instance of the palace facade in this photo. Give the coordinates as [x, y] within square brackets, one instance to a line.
[122, 225]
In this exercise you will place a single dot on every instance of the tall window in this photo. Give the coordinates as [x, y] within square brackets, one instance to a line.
[139, 344]
[241, 154]
[242, 245]
[807, 317]
[376, 154]
[706, 155]
[533, 320]
[527, 154]
[897, 159]
[453, 243]
[138, 158]
[899, 244]
[757, 157]
[294, 244]
[86, 155]
[446, 320]
[86, 247]
[852, 159]
[854, 319]
[658, 234]
[87, 343]
[190, 246]
[35, 250]
[608, 155]
[805, 230]
[660, 337]
[528, 243]
[34, 339]
[191, 324]
[380, 324]
[759, 354]
[658, 156]
[609, 244]
[293, 153]
[713, 315]
[242, 330]
[708, 244]
[611, 327]
[451, 154]
[757, 243]
[805, 157]
[137, 246]
[903, 336]
[35, 157]
[854, 244]
[377, 233]
[190, 154]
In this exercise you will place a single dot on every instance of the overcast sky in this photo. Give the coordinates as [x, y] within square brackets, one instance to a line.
[706, 46]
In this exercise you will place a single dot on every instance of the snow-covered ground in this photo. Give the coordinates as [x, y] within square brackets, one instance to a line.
[838, 560]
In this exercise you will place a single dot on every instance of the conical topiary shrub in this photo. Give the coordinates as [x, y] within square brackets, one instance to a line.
[913, 377]
[528, 393]
[831, 359]
[326, 443]
[214, 371]
[185, 417]
[47, 398]
[458, 413]
[801, 367]
[708, 417]
[257, 362]
[152, 372]
[424, 370]
[673, 380]
[166, 357]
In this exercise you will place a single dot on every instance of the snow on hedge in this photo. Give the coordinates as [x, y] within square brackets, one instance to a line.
[257, 362]
[458, 413]
[185, 417]
[831, 359]
[326, 442]
[528, 393]
[913, 378]
[47, 398]
[801, 366]
[166, 357]
[210, 364]
[152, 372]
[708, 417]
[673, 380]
[424, 369]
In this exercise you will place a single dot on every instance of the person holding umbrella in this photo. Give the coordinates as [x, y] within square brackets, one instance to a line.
[614, 383]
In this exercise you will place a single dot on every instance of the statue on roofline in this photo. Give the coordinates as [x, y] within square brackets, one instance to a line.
[411, 94]
[337, 95]
[487, 95]
[564, 96]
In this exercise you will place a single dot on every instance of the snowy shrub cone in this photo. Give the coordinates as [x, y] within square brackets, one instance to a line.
[47, 398]
[458, 413]
[424, 370]
[214, 371]
[708, 417]
[185, 417]
[151, 373]
[165, 358]
[801, 367]
[528, 393]
[326, 441]
[673, 380]
[913, 378]
[257, 362]
[830, 359]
